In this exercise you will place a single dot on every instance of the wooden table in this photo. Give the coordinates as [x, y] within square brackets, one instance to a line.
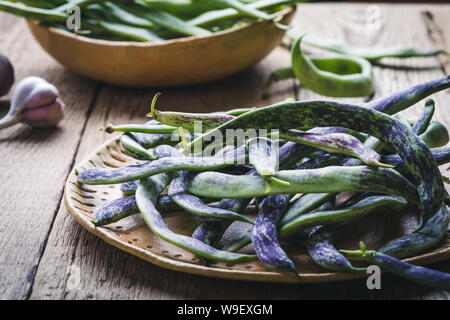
[42, 245]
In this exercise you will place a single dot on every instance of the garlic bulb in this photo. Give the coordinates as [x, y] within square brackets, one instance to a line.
[35, 102]
[6, 75]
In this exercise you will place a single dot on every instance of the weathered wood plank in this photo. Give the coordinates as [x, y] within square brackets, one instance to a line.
[108, 273]
[34, 163]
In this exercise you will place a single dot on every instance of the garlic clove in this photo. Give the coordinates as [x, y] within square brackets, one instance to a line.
[44, 116]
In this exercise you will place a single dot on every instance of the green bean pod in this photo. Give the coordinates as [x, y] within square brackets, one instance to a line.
[421, 240]
[436, 135]
[33, 13]
[329, 179]
[421, 125]
[146, 197]
[371, 54]
[341, 215]
[134, 149]
[188, 121]
[142, 128]
[192, 204]
[332, 77]
[304, 204]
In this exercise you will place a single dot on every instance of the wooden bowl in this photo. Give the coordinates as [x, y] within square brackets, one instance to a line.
[183, 61]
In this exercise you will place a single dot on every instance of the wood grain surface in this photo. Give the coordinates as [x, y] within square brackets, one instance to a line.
[43, 248]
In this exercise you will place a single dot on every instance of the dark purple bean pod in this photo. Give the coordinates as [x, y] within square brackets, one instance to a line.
[322, 251]
[441, 156]
[424, 120]
[417, 274]
[118, 209]
[421, 240]
[403, 99]
[264, 234]
[129, 187]
[167, 164]
[192, 204]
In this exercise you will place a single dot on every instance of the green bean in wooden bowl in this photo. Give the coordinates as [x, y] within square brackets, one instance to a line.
[291, 201]
[147, 43]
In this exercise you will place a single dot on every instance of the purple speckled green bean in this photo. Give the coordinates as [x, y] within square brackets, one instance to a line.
[146, 197]
[421, 240]
[118, 209]
[321, 249]
[336, 143]
[168, 164]
[420, 275]
[264, 234]
[424, 120]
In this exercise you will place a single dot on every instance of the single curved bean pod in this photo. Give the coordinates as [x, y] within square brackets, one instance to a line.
[33, 13]
[192, 122]
[436, 135]
[329, 179]
[328, 79]
[403, 99]
[236, 112]
[418, 158]
[322, 251]
[421, 125]
[421, 240]
[146, 198]
[118, 209]
[340, 216]
[278, 75]
[263, 155]
[420, 275]
[177, 192]
[336, 143]
[167, 164]
[150, 140]
[440, 155]
[243, 8]
[135, 150]
[306, 203]
[264, 234]
[143, 128]
[129, 187]
[371, 54]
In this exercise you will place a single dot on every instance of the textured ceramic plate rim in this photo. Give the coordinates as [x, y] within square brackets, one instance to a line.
[440, 253]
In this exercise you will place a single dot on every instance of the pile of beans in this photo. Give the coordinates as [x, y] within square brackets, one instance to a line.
[315, 151]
